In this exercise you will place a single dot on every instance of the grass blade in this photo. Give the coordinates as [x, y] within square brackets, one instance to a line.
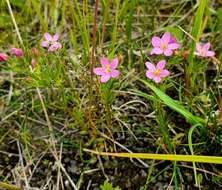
[174, 105]
[196, 33]
[37, 9]
[171, 157]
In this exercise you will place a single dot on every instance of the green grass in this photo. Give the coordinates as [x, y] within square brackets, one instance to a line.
[54, 111]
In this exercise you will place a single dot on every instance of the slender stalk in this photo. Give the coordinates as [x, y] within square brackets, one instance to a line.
[42, 18]
[93, 59]
[196, 33]
[14, 22]
[164, 130]
[151, 168]
[44, 110]
[104, 23]
[192, 152]
[163, 127]
[114, 34]
[171, 157]
[94, 39]
[166, 136]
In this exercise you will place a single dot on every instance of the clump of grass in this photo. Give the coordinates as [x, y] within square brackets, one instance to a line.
[52, 103]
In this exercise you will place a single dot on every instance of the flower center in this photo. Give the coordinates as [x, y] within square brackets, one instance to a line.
[164, 46]
[107, 69]
[203, 52]
[156, 72]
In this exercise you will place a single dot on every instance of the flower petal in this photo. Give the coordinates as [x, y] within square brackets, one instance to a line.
[114, 63]
[55, 46]
[45, 43]
[210, 53]
[99, 71]
[150, 66]
[156, 41]
[3, 57]
[164, 73]
[48, 37]
[157, 79]
[161, 64]
[52, 48]
[55, 37]
[104, 61]
[174, 46]
[33, 62]
[197, 53]
[156, 51]
[198, 47]
[207, 46]
[16, 51]
[105, 78]
[172, 40]
[166, 37]
[168, 52]
[114, 73]
[149, 74]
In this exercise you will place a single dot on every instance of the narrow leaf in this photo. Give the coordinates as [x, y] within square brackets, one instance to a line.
[171, 157]
[174, 105]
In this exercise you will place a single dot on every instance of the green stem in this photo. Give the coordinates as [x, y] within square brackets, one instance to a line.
[191, 150]
[150, 171]
[170, 157]
[104, 22]
[163, 127]
[107, 97]
[15, 24]
[108, 114]
[164, 130]
[196, 33]
[93, 59]
[114, 34]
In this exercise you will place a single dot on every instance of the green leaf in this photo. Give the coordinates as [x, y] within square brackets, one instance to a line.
[18, 3]
[108, 186]
[144, 95]
[197, 29]
[219, 17]
[5, 21]
[219, 23]
[171, 157]
[175, 105]
[176, 32]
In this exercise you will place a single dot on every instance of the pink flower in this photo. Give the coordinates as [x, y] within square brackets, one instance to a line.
[202, 51]
[16, 51]
[172, 40]
[33, 62]
[51, 42]
[157, 72]
[165, 45]
[35, 51]
[108, 69]
[3, 57]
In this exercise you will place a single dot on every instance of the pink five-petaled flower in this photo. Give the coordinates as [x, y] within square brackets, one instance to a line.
[16, 51]
[203, 51]
[51, 42]
[3, 57]
[165, 45]
[108, 69]
[157, 72]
